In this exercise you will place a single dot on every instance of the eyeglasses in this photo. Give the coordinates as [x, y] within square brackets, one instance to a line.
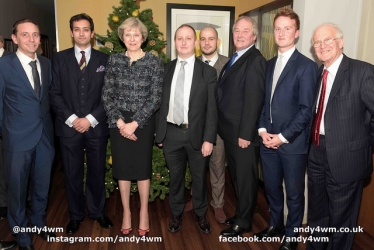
[327, 41]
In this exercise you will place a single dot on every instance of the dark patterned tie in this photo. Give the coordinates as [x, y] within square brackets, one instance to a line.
[207, 61]
[82, 63]
[35, 76]
[318, 119]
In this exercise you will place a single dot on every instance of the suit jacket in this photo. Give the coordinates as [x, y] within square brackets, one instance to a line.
[64, 92]
[240, 95]
[23, 116]
[348, 115]
[291, 105]
[220, 63]
[202, 110]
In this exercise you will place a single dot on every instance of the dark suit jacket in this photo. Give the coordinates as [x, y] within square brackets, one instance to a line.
[202, 111]
[348, 115]
[240, 95]
[23, 115]
[291, 106]
[222, 60]
[64, 92]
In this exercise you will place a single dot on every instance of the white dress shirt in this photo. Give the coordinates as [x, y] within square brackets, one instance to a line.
[212, 61]
[25, 60]
[333, 69]
[188, 73]
[78, 56]
[1, 52]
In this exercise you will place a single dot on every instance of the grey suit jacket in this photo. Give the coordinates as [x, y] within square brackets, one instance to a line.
[348, 116]
[222, 60]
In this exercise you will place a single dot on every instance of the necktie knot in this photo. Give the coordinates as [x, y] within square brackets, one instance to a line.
[232, 60]
[207, 61]
[33, 64]
[183, 63]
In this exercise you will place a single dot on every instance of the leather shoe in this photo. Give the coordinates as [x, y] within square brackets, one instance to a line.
[288, 245]
[220, 215]
[29, 247]
[204, 225]
[230, 221]
[8, 245]
[175, 223]
[3, 212]
[47, 235]
[73, 226]
[234, 231]
[105, 222]
[270, 231]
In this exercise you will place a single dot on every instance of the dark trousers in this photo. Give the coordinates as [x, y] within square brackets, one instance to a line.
[290, 168]
[243, 167]
[3, 186]
[72, 151]
[35, 164]
[178, 149]
[330, 204]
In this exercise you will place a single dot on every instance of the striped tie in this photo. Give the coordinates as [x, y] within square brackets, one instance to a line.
[82, 63]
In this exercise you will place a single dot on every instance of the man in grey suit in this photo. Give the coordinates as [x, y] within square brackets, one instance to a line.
[208, 44]
[340, 156]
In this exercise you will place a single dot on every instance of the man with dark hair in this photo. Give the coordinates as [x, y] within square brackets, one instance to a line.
[187, 126]
[78, 78]
[340, 157]
[283, 127]
[240, 96]
[27, 131]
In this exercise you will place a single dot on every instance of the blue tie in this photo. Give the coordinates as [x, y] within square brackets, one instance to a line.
[232, 60]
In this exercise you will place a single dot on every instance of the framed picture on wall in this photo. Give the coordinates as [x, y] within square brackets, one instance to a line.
[199, 16]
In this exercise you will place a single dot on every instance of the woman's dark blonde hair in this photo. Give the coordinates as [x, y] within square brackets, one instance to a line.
[132, 23]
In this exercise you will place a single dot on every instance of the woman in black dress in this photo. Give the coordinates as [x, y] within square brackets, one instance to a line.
[131, 96]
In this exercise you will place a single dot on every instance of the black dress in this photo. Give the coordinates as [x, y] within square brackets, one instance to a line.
[132, 160]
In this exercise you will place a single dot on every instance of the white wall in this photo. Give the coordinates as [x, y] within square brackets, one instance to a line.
[345, 13]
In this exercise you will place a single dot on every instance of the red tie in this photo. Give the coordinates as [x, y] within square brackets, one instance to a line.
[317, 121]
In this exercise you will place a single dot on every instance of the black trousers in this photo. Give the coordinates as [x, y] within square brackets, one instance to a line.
[243, 167]
[178, 149]
[330, 204]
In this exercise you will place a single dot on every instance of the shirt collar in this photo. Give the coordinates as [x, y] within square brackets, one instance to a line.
[333, 69]
[189, 60]
[241, 52]
[286, 55]
[25, 59]
[213, 60]
[87, 51]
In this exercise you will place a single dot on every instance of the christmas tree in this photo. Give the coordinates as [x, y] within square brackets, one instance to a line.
[154, 44]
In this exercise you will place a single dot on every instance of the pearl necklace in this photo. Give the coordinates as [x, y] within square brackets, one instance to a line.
[140, 56]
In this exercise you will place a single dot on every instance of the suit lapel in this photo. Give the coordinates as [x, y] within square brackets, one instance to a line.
[270, 74]
[318, 87]
[45, 77]
[169, 72]
[195, 78]
[21, 72]
[339, 79]
[72, 65]
[92, 64]
[288, 66]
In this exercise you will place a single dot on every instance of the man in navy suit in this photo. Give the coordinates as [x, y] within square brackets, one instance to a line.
[240, 96]
[189, 132]
[27, 130]
[283, 126]
[340, 157]
[78, 78]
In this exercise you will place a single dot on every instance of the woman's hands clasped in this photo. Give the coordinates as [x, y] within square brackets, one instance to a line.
[127, 129]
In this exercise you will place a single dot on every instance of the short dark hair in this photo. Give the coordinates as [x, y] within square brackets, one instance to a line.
[25, 20]
[185, 25]
[82, 16]
[288, 13]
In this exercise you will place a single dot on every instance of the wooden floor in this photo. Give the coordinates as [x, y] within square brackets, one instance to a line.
[189, 237]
